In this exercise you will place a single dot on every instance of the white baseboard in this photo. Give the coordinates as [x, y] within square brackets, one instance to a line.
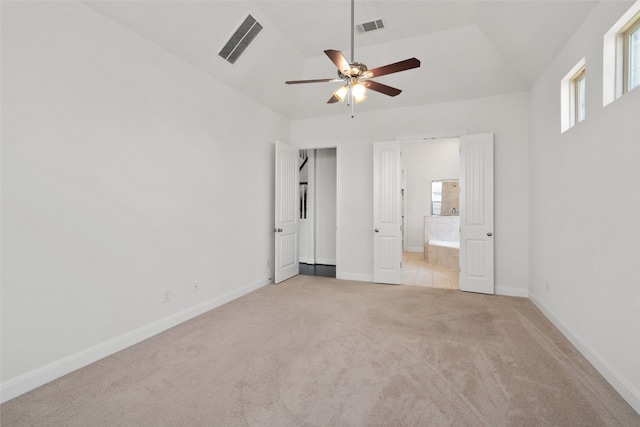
[321, 261]
[356, 276]
[510, 291]
[326, 261]
[617, 381]
[40, 376]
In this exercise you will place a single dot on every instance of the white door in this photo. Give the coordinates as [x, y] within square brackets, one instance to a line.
[387, 213]
[286, 226]
[476, 213]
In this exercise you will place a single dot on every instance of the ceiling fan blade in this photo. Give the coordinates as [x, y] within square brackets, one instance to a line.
[407, 64]
[333, 99]
[338, 58]
[297, 82]
[379, 87]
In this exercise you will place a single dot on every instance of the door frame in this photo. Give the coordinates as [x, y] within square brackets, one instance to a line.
[455, 134]
[337, 146]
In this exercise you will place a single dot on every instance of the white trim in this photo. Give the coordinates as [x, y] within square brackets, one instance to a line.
[338, 209]
[325, 261]
[405, 220]
[511, 291]
[617, 381]
[22, 384]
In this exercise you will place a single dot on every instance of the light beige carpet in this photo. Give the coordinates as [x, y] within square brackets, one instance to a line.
[324, 352]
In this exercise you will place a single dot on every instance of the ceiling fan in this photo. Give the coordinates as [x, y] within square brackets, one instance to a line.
[356, 76]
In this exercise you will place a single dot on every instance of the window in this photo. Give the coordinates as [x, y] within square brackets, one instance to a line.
[579, 83]
[621, 55]
[572, 96]
[631, 39]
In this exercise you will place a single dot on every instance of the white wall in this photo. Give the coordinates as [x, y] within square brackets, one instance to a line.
[505, 115]
[126, 173]
[425, 161]
[585, 212]
[325, 203]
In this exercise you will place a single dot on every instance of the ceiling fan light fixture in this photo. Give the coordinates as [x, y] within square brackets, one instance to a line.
[342, 92]
[358, 91]
[359, 100]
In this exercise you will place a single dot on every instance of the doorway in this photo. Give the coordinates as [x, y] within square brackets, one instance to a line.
[317, 216]
[475, 230]
[425, 162]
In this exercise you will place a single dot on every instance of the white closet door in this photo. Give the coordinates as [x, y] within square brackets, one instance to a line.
[286, 226]
[476, 213]
[387, 213]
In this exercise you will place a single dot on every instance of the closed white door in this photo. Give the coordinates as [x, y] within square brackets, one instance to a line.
[387, 213]
[286, 226]
[476, 213]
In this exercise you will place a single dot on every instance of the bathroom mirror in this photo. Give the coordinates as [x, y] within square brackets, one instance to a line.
[445, 197]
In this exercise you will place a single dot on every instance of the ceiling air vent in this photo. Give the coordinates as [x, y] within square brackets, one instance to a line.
[366, 27]
[240, 40]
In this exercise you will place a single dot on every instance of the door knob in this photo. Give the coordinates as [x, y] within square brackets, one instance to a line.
[376, 230]
[489, 234]
[278, 230]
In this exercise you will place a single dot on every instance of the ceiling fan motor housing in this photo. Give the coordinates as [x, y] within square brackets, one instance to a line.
[357, 69]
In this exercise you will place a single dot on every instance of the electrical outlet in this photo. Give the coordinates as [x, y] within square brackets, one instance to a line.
[196, 287]
[167, 296]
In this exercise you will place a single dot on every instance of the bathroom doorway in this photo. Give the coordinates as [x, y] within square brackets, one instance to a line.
[423, 162]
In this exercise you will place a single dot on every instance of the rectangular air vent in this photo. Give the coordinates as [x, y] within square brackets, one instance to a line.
[240, 40]
[366, 27]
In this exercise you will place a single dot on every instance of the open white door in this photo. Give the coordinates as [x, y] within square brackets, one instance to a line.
[476, 213]
[286, 226]
[387, 213]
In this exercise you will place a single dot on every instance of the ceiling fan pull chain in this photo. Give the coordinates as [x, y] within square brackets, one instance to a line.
[352, 101]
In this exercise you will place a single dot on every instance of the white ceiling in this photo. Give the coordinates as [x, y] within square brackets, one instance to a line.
[467, 48]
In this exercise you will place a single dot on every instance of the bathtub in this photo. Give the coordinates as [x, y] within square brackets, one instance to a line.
[444, 253]
[444, 244]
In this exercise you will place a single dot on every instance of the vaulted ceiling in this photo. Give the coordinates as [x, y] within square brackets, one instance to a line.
[468, 49]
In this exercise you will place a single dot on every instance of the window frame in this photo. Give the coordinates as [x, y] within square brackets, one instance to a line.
[625, 33]
[614, 67]
[578, 100]
[569, 108]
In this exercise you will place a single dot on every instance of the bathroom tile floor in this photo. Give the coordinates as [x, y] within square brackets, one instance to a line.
[418, 272]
